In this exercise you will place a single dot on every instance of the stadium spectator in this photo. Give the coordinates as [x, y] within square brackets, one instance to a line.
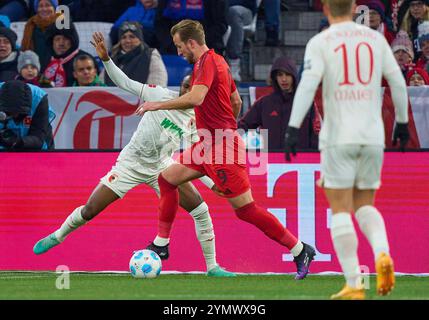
[423, 61]
[416, 12]
[402, 48]
[27, 125]
[29, 70]
[272, 112]
[377, 18]
[102, 10]
[16, 10]
[8, 54]
[211, 13]
[85, 72]
[417, 77]
[35, 36]
[240, 13]
[143, 12]
[324, 24]
[64, 47]
[136, 59]
[272, 22]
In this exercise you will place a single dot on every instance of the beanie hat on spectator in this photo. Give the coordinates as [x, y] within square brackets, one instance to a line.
[53, 2]
[376, 5]
[403, 42]
[28, 58]
[423, 32]
[419, 71]
[134, 27]
[10, 35]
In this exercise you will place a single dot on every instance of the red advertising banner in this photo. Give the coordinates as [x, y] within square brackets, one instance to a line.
[39, 190]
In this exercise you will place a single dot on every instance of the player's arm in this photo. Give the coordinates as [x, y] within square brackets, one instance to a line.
[398, 89]
[236, 103]
[189, 100]
[314, 67]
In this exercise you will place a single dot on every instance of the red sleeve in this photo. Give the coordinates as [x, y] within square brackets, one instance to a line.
[233, 86]
[205, 73]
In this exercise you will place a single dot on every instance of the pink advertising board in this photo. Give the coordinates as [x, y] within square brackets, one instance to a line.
[39, 190]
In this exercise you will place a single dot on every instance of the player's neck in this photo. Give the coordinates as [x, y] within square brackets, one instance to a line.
[334, 20]
[200, 51]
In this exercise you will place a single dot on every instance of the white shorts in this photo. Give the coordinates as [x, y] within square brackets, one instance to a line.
[348, 166]
[122, 179]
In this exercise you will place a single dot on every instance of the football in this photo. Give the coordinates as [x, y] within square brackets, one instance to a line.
[145, 264]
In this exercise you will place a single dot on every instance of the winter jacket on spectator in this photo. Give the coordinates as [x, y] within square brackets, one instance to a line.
[213, 20]
[60, 67]
[102, 10]
[8, 55]
[146, 17]
[34, 37]
[273, 111]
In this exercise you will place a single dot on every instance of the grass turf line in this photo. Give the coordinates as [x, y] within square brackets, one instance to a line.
[192, 287]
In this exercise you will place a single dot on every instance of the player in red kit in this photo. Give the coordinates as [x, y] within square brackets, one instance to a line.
[220, 153]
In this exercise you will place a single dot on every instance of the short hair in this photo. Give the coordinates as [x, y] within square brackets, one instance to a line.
[83, 57]
[339, 8]
[189, 29]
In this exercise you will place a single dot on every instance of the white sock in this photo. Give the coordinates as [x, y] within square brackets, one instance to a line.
[205, 234]
[296, 250]
[345, 241]
[372, 225]
[73, 221]
[161, 242]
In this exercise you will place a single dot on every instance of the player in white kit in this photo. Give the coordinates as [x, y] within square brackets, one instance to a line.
[350, 59]
[149, 152]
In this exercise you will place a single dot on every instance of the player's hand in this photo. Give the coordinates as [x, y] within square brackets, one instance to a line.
[148, 106]
[100, 46]
[216, 190]
[401, 133]
[291, 140]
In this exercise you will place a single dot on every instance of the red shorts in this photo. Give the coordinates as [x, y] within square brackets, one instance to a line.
[229, 176]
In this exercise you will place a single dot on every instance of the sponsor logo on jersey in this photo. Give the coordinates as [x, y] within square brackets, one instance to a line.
[171, 126]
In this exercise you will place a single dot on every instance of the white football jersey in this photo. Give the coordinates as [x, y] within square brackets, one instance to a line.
[159, 133]
[350, 59]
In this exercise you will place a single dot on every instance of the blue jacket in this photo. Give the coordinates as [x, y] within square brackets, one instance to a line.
[140, 14]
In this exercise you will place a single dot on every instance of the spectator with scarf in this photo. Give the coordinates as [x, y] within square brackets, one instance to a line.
[35, 35]
[64, 47]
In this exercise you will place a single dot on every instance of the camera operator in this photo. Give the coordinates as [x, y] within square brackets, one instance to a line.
[24, 117]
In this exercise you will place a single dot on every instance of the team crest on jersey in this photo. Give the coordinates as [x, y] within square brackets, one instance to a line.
[151, 85]
[113, 177]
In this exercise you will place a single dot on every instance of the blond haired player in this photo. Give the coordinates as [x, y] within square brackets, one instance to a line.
[350, 60]
[149, 151]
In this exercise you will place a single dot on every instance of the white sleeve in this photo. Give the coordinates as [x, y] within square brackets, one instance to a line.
[398, 88]
[154, 93]
[207, 181]
[314, 67]
[121, 79]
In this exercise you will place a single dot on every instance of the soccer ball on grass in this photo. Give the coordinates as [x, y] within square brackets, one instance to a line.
[145, 264]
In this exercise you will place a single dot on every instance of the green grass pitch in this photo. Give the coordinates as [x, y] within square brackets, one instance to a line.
[42, 285]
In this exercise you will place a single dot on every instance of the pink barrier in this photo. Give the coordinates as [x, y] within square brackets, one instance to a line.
[38, 190]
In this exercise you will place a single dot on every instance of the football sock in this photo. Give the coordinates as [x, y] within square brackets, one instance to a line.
[297, 249]
[267, 223]
[73, 221]
[372, 225]
[205, 233]
[345, 241]
[168, 206]
[161, 242]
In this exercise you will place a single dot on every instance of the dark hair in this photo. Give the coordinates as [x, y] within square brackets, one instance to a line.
[83, 57]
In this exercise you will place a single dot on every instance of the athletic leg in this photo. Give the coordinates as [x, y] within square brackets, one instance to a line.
[100, 198]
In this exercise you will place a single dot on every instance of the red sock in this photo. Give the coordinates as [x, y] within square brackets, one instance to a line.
[267, 223]
[168, 206]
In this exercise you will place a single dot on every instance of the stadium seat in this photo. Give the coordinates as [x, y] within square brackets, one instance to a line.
[177, 68]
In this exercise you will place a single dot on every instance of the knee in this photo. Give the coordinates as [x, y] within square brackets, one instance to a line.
[89, 211]
[233, 16]
[244, 212]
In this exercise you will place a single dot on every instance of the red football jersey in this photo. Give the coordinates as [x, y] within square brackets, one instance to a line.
[215, 112]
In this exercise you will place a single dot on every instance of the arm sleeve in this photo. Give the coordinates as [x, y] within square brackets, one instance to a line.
[121, 79]
[398, 88]
[252, 118]
[39, 126]
[314, 67]
[207, 181]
